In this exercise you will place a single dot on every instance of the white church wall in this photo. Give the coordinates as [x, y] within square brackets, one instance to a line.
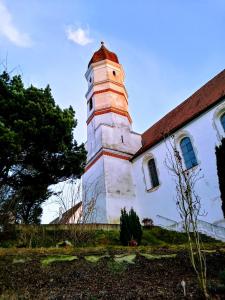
[111, 119]
[110, 136]
[120, 139]
[120, 188]
[93, 189]
[162, 200]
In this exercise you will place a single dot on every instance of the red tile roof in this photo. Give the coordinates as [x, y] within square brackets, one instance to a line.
[203, 99]
[103, 53]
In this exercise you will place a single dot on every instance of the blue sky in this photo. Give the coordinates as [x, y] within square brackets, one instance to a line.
[168, 48]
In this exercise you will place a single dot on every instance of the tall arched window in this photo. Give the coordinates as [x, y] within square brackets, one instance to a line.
[90, 104]
[222, 119]
[188, 153]
[153, 173]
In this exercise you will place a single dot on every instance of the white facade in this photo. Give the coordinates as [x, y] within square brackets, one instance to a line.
[161, 201]
[116, 180]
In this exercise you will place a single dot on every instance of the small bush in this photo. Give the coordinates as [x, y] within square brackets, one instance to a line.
[147, 222]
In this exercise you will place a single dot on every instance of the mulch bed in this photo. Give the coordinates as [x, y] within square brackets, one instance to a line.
[80, 279]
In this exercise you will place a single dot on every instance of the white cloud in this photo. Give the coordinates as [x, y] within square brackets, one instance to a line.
[79, 36]
[9, 30]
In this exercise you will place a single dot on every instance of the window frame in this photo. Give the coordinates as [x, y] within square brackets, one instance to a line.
[188, 152]
[153, 173]
[146, 173]
[217, 124]
[222, 121]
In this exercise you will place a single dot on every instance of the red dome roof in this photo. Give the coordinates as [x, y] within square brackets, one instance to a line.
[103, 53]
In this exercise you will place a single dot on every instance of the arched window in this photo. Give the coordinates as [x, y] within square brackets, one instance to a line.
[153, 173]
[222, 119]
[188, 153]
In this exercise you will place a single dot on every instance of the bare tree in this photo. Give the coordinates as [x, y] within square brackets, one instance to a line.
[73, 192]
[189, 207]
[78, 206]
[67, 196]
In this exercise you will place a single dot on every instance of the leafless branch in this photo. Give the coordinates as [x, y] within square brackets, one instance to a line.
[189, 207]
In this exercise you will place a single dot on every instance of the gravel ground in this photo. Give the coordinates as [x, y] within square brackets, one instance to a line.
[27, 278]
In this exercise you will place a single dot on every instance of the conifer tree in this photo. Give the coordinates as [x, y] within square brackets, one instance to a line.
[37, 148]
[130, 227]
[135, 226]
[125, 234]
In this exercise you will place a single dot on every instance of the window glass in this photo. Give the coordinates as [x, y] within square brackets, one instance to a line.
[222, 119]
[90, 104]
[153, 173]
[188, 153]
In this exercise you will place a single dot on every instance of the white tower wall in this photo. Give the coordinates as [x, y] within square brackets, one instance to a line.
[110, 140]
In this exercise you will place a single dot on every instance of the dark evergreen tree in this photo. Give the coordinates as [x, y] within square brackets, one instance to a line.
[37, 148]
[125, 234]
[130, 227]
[135, 226]
[220, 159]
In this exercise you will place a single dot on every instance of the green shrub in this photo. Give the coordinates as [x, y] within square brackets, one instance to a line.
[222, 277]
[135, 226]
[125, 234]
[130, 227]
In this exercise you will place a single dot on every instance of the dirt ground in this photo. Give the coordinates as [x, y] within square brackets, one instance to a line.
[80, 279]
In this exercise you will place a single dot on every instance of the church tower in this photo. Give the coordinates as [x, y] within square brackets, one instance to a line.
[110, 139]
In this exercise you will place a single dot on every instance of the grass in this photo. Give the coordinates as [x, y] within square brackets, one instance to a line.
[124, 258]
[99, 241]
[94, 258]
[104, 250]
[12, 295]
[156, 256]
[120, 262]
[57, 258]
[19, 260]
[115, 267]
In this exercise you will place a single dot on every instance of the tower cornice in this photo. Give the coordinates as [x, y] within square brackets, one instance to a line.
[96, 84]
[107, 152]
[106, 91]
[109, 110]
[104, 62]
